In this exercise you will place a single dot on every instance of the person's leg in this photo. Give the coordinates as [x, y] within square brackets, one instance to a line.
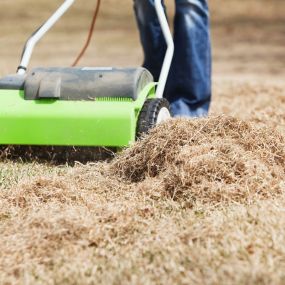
[152, 39]
[189, 84]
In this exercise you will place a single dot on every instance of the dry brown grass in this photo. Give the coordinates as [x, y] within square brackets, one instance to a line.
[215, 160]
[195, 202]
[192, 202]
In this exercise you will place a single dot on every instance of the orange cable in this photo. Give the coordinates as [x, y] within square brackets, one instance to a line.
[90, 34]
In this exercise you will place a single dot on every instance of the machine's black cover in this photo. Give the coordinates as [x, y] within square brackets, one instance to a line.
[12, 82]
[85, 83]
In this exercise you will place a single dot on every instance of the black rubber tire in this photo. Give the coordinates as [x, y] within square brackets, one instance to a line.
[149, 114]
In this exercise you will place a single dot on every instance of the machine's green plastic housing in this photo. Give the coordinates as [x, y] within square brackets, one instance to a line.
[109, 122]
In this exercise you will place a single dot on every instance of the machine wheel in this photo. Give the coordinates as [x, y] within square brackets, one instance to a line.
[154, 111]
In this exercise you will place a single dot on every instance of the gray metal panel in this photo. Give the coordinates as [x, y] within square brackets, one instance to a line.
[85, 83]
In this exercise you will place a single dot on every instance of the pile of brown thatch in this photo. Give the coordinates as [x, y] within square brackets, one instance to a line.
[220, 159]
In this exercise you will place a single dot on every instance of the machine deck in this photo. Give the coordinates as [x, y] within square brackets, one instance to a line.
[99, 121]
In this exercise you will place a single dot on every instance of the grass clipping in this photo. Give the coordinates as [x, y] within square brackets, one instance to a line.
[214, 160]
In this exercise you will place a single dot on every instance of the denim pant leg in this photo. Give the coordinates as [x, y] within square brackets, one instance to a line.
[188, 87]
[189, 84]
[153, 42]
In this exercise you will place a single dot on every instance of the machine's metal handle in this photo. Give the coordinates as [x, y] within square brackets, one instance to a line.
[170, 48]
[38, 34]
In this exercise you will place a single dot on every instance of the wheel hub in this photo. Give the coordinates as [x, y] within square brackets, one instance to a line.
[163, 115]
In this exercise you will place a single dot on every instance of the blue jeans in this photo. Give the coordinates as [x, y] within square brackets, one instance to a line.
[188, 88]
